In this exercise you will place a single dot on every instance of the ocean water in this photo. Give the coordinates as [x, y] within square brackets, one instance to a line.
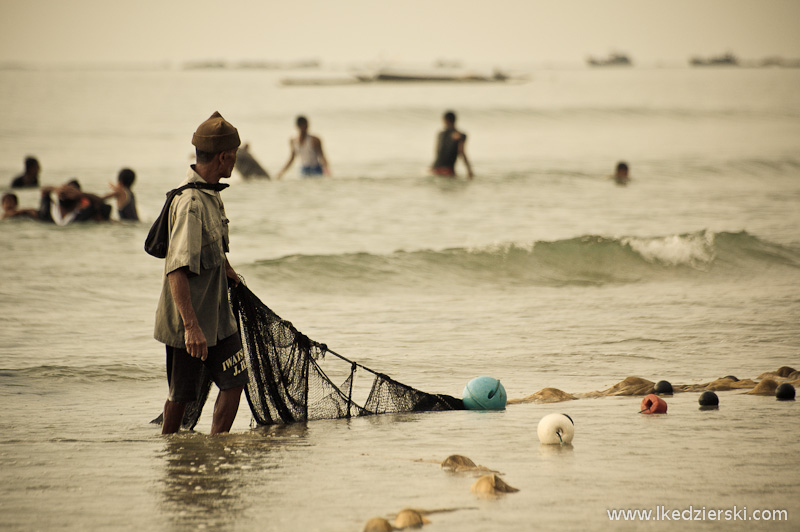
[540, 272]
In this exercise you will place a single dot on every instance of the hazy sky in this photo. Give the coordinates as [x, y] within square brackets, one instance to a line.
[340, 31]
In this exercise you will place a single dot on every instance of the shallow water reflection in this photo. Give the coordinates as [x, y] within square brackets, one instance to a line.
[205, 477]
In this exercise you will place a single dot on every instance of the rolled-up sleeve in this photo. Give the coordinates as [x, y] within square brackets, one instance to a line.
[186, 235]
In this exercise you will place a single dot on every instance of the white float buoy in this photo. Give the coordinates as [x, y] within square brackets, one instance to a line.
[556, 429]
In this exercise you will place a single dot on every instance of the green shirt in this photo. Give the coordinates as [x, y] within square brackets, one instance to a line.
[198, 240]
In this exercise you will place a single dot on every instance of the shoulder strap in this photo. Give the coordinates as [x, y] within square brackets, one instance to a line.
[208, 186]
[157, 240]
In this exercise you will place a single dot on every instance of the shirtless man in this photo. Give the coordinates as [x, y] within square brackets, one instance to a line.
[449, 147]
[309, 149]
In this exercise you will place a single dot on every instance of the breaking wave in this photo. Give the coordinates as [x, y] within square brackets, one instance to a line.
[588, 259]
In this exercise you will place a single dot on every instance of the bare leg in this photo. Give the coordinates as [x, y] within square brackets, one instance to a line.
[173, 415]
[225, 409]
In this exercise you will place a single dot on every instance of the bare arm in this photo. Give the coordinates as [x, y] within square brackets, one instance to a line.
[321, 156]
[70, 192]
[437, 148]
[229, 271]
[194, 338]
[463, 155]
[31, 213]
[289, 163]
[119, 193]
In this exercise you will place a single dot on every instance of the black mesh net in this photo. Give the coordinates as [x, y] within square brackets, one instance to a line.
[293, 378]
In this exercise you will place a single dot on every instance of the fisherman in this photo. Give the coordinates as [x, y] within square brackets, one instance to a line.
[309, 149]
[194, 317]
[449, 147]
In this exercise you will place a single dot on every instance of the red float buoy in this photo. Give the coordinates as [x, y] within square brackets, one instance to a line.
[653, 404]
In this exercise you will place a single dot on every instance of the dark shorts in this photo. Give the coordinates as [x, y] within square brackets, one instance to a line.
[225, 365]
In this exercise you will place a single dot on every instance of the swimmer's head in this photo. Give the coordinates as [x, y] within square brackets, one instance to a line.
[126, 177]
[69, 194]
[31, 164]
[622, 169]
[10, 202]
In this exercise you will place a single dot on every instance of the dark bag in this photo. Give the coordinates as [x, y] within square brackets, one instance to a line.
[157, 240]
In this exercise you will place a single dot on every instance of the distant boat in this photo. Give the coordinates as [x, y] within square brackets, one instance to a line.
[777, 61]
[279, 65]
[205, 65]
[386, 75]
[252, 65]
[614, 59]
[325, 81]
[404, 76]
[720, 60]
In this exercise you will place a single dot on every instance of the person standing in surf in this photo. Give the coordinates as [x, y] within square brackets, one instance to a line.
[449, 147]
[121, 191]
[194, 317]
[309, 149]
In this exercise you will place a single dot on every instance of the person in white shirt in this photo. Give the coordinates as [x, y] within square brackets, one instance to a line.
[308, 149]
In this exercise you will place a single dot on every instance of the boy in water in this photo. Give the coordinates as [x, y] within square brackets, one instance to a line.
[126, 201]
[449, 147]
[309, 149]
[621, 176]
[29, 179]
[11, 208]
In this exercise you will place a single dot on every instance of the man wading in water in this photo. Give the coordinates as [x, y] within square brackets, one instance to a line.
[194, 317]
[449, 147]
[309, 149]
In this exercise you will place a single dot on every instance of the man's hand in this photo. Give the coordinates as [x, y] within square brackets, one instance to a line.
[231, 273]
[195, 341]
[193, 337]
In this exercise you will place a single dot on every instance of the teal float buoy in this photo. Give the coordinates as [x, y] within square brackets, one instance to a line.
[484, 393]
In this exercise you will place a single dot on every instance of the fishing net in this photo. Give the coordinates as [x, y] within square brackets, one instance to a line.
[293, 378]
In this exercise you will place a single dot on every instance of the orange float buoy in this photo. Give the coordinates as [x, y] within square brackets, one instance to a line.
[653, 404]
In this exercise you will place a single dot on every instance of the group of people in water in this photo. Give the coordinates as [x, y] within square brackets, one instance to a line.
[308, 149]
[68, 203]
